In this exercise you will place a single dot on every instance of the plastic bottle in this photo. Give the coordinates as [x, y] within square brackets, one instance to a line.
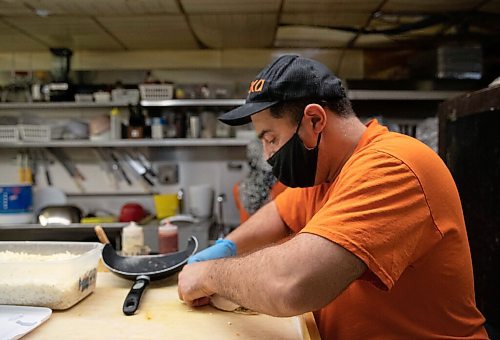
[132, 239]
[137, 122]
[168, 238]
[157, 128]
[115, 123]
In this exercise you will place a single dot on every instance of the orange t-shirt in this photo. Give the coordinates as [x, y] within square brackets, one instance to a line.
[396, 207]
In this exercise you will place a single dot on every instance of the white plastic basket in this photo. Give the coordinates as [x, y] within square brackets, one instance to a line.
[155, 92]
[35, 133]
[84, 98]
[9, 133]
[129, 96]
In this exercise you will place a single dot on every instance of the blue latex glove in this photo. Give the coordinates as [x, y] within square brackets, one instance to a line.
[221, 248]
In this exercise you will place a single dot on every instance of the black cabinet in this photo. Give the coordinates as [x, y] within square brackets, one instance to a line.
[469, 142]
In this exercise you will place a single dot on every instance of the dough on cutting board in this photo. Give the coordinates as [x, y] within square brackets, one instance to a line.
[224, 304]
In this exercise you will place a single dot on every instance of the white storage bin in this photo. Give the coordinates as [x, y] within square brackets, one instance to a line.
[84, 98]
[102, 97]
[155, 92]
[35, 133]
[9, 133]
[48, 274]
[128, 96]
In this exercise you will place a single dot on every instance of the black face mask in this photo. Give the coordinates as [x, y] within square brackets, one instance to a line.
[295, 165]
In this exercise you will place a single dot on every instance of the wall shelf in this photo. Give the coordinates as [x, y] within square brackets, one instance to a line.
[401, 95]
[59, 105]
[193, 102]
[168, 142]
[353, 95]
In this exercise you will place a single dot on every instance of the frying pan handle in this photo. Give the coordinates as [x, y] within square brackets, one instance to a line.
[133, 298]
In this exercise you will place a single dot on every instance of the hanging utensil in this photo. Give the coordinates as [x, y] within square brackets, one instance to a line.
[146, 163]
[33, 165]
[23, 167]
[117, 167]
[45, 163]
[72, 170]
[138, 168]
[20, 169]
[106, 168]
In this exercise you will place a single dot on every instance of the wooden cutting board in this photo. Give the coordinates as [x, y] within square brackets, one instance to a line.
[162, 315]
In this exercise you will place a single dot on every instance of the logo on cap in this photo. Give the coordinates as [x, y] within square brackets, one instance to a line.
[256, 85]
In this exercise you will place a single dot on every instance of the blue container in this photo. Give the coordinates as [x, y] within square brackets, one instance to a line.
[16, 199]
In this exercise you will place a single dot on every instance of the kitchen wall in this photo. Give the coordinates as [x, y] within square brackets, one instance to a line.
[221, 167]
[214, 165]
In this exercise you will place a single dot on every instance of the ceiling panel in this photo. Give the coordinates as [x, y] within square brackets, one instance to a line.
[385, 40]
[13, 8]
[218, 24]
[72, 32]
[429, 6]
[234, 30]
[393, 21]
[300, 36]
[151, 32]
[230, 6]
[350, 19]
[105, 7]
[12, 41]
[491, 7]
[421, 37]
[374, 41]
[308, 6]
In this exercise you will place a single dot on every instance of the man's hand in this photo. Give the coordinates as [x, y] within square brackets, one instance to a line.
[192, 285]
[222, 248]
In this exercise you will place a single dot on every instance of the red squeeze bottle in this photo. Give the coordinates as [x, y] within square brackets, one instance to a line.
[167, 238]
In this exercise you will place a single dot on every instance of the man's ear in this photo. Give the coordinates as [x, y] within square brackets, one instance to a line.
[317, 117]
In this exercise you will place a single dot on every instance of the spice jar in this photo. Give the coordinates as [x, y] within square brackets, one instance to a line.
[167, 238]
[132, 239]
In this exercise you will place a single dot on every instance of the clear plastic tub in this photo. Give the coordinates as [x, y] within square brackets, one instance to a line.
[48, 274]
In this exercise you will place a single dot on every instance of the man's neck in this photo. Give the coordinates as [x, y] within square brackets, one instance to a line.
[345, 136]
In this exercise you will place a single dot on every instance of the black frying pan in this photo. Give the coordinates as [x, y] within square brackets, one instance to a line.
[142, 269]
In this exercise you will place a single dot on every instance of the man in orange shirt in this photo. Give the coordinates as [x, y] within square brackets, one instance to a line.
[379, 249]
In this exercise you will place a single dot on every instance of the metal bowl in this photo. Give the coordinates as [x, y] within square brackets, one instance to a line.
[59, 214]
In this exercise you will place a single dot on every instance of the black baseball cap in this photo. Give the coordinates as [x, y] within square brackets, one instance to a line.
[287, 78]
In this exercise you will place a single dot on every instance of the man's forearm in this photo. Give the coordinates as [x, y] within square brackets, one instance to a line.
[250, 281]
[300, 275]
[261, 229]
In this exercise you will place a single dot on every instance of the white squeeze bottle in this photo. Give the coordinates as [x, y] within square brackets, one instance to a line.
[132, 239]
